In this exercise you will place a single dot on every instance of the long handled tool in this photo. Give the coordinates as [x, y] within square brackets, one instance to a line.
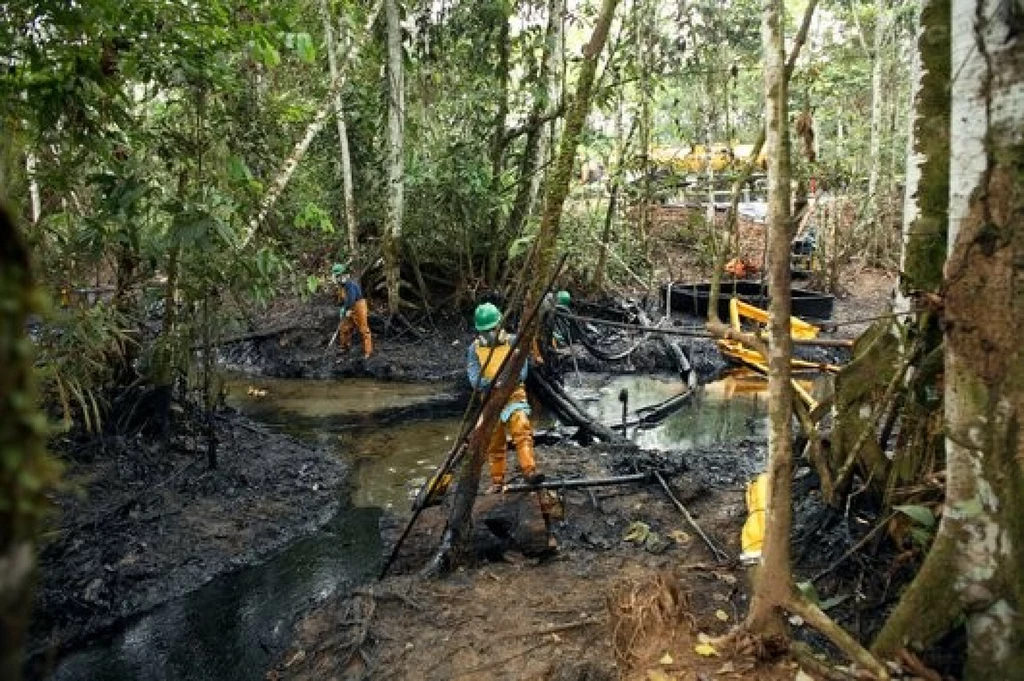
[468, 425]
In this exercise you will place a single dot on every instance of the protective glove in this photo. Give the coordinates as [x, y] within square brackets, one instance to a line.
[344, 312]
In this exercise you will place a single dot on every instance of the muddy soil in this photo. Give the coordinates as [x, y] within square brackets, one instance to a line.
[432, 349]
[140, 524]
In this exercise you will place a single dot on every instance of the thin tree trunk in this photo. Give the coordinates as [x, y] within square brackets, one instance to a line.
[339, 115]
[280, 182]
[396, 155]
[535, 147]
[498, 145]
[458, 531]
[554, 65]
[622, 143]
[731, 220]
[773, 585]
[875, 149]
[33, 187]
[975, 566]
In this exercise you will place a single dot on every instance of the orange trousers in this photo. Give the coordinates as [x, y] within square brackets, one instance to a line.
[518, 428]
[357, 318]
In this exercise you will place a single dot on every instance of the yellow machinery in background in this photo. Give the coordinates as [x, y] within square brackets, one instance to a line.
[700, 157]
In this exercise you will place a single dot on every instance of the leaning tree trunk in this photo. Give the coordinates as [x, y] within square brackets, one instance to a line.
[457, 534]
[395, 159]
[975, 568]
[26, 473]
[339, 116]
[291, 163]
[773, 586]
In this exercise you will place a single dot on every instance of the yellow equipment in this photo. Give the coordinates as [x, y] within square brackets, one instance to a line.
[752, 536]
[748, 357]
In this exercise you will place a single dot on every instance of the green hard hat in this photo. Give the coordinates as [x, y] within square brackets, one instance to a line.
[337, 269]
[487, 317]
[564, 298]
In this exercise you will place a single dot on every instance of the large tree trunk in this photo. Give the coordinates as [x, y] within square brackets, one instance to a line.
[396, 155]
[26, 473]
[458, 531]
[554, 65]
[975, 567]
[339, 116]
[774, 584]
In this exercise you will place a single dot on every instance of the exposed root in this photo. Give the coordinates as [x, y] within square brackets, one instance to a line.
[639, 611]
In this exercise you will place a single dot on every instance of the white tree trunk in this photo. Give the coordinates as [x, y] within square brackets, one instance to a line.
[984, 399]
[339, 114]
[33, 187]
[395, 156]
[277, 187]
[875, 150]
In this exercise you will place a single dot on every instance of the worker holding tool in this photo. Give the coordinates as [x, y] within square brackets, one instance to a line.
[354, 311]
[485, 356]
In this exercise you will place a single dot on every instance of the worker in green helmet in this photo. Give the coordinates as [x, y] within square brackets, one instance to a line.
[485, 356]
[354, 310]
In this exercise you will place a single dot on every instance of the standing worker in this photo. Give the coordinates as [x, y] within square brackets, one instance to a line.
[354, 311]
[485, 356]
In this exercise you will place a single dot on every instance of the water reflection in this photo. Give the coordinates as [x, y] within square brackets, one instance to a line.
[725, 410]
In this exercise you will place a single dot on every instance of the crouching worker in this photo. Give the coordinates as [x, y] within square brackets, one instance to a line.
[486, 354]
[354, 311]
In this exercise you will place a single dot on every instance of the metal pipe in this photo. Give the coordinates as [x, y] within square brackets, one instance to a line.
[579, 482]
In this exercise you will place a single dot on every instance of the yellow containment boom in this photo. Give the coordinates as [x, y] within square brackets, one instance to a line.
[752, 536]
[738, 352]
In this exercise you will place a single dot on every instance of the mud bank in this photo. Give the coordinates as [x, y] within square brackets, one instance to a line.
[141, 524]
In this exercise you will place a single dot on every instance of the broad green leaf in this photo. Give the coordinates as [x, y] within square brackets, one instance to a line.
[922, 515]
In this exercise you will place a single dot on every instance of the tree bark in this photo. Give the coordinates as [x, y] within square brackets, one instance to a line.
[773, 585]
[454, 541]
[339, 114]
[976, 566]
[396, 156]
[498, 145]
[26, 473]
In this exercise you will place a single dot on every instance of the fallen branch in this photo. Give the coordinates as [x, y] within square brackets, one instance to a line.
[718, 553]
[556, 628]
[824, 624]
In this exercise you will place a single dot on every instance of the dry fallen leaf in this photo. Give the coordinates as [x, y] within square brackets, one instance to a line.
[658, 675]
[705, 649]
[722, 615]
[801, 675]
[666, 659]
[703, 638]
[727, 668]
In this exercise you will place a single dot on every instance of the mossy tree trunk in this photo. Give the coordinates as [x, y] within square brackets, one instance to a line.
[975, 567]
[26, 473]
[458, 532]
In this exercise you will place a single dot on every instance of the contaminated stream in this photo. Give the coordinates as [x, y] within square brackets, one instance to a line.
[235, 626]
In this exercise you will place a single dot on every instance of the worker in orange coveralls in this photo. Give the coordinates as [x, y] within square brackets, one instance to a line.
[354, 311]
[484, 357]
